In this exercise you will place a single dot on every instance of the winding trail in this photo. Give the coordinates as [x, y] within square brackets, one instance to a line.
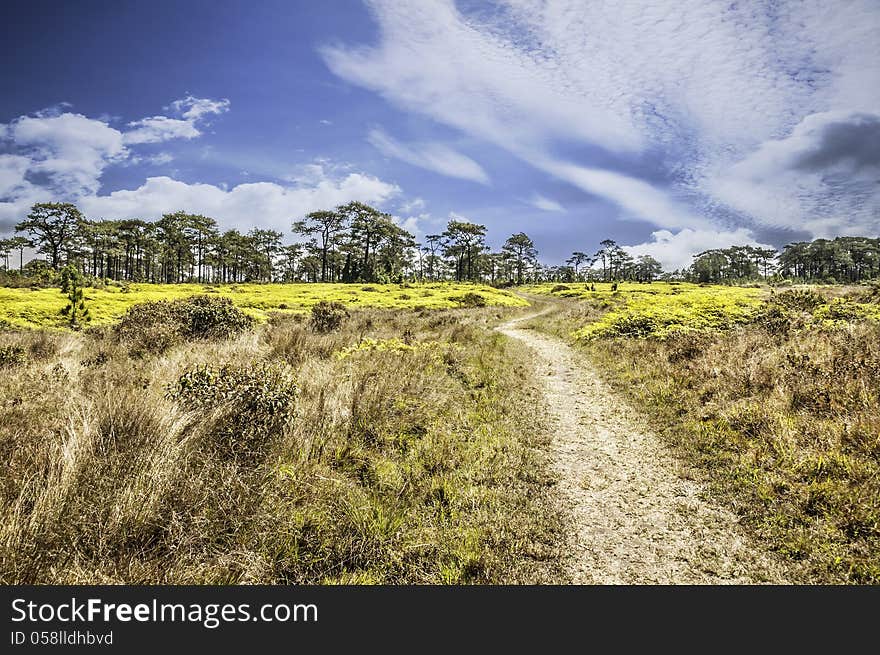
[635, 521]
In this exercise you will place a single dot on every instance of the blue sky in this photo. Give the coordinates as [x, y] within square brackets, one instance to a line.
[670, 127]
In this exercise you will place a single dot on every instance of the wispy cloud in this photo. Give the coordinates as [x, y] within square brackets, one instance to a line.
[431, 156]
[699, 86]
[545, 204]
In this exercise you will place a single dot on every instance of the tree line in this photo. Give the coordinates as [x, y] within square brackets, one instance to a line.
[828, 261]
[350, 243]
[358, 243]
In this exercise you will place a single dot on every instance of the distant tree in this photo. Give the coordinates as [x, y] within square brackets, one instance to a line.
[326, 226]
[290, 256]
[647, 268]
[6, 247]
[606, 254]
[521, 249]
[51, 225]
[577, 259]
[433, 243]
[267, 246]
[464, 242]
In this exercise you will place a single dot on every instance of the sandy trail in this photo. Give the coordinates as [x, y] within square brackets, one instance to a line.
[635, 521]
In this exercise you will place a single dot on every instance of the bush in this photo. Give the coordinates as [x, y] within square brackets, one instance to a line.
[12, 356]
[252, 403]
[470, 299]
[804, 300]
[211, 317]
[774, 318]
[328, 316]
[156, 326]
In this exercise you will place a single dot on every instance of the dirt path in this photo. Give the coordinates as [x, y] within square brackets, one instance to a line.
[636, 521]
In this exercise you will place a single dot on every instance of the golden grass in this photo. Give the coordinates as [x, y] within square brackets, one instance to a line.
[416, 457]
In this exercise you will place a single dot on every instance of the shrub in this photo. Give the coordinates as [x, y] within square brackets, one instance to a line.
[151, 327]
[156, 326]
[800, 299]
[328, 316]
[252, 403]
[210, 317]
[773, 318]
[12, 356]
[470, 299]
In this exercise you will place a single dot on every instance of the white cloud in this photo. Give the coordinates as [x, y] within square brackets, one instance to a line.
[194, 109]
[676, 251]
[160, 128]
[431, 156]
[156, 129]
[70, 149]
[261, 204]
[412, 224]
[638, 198]
[822, 177]
[703, 84]
[545, 204]
[159, 158]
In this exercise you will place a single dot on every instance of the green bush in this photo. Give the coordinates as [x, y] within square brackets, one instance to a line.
[156, 326]
[328, 316]
[470, 299]
[774, 318]
[211, 317]
[252, 403]
[804, 300]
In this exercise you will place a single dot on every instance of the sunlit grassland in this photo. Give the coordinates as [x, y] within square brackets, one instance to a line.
[771, 397]
[401, 447]
[33, 308]
[659, 309]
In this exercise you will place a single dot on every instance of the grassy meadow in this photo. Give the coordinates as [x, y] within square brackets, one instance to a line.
[41, 307]
[770, 396]
[383, 446]
[257, 434]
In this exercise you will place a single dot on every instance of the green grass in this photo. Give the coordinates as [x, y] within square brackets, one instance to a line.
[38, 308]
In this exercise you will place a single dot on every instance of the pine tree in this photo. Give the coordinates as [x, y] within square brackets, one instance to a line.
[71, 286]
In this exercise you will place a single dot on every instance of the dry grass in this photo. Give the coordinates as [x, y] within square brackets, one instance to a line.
[416, 464]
